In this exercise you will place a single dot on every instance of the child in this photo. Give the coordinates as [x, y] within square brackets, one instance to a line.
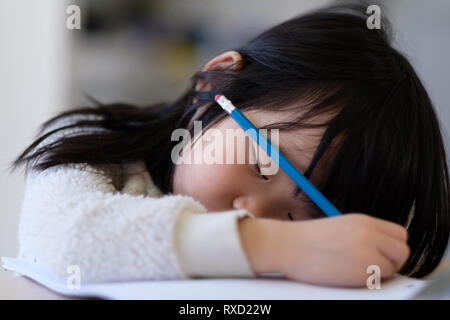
[103, 192]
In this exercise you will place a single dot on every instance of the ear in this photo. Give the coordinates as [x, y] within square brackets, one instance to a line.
[229, 59]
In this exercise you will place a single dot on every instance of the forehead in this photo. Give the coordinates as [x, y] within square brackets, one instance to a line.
[298, 145]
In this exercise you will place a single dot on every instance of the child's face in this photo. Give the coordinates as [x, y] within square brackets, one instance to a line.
[221, 187]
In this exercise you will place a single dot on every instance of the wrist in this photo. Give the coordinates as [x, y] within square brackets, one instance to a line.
[261, 240]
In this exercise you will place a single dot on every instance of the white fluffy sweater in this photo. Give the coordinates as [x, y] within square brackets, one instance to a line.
[120, 227]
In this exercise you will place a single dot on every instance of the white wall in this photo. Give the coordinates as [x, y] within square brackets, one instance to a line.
[33, 85]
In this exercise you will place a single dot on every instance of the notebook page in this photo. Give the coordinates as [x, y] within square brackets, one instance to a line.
[262, 288]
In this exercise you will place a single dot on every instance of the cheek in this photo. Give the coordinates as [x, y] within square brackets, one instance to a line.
[214, 185]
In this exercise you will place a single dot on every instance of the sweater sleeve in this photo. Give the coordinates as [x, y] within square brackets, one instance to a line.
[209, 245]
[74, 217]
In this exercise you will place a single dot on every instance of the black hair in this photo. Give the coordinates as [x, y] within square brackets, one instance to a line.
[382, 150]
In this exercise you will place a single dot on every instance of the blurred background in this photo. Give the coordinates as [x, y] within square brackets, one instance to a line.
[145, 51]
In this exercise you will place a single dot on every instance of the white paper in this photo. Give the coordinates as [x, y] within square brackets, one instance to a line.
[269, 287]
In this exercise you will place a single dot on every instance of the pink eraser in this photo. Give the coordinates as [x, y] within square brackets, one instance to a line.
[217, 96]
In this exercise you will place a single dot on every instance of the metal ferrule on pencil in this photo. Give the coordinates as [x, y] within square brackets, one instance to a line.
[225, 103]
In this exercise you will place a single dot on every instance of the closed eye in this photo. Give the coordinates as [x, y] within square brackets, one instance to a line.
[258, 170]
[313, 210]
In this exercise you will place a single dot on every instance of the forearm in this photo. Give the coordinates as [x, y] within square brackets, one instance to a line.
[262, 242]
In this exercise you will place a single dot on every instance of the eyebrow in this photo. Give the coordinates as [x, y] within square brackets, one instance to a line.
[297, 189]
[315, 211]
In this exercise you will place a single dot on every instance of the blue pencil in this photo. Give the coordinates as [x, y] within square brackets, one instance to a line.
[308, 188]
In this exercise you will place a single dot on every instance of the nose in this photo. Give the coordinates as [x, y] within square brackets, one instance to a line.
[259, 205]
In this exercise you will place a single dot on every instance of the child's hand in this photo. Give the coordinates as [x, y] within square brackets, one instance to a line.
[330, 251]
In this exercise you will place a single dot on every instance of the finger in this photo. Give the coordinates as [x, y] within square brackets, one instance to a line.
[389, 228]
[392, 229]
[396, 251]
[387, 267]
